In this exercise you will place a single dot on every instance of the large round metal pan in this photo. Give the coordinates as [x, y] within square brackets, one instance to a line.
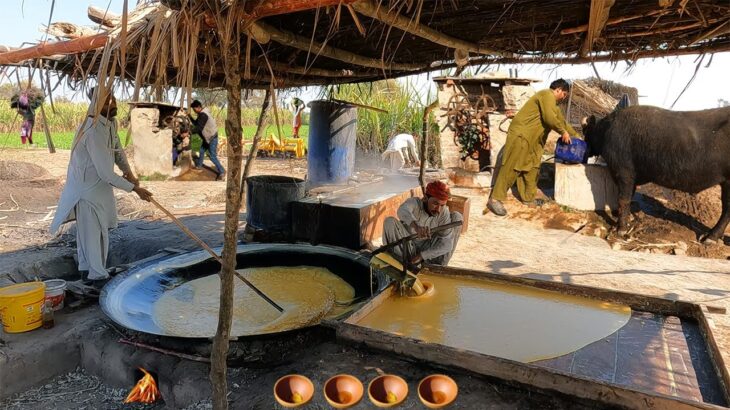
[129, 298]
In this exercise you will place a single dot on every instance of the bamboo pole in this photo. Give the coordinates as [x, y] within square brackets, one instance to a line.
[382, 13]
[210, 250]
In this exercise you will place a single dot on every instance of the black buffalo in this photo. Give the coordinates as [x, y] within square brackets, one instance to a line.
[687, 151]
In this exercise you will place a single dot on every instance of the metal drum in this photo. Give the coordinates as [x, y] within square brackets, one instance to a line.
[332, 138]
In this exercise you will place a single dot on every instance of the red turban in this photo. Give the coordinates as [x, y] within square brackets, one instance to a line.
[438, 190]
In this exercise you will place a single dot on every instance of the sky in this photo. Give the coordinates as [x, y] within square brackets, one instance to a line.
[659, 81]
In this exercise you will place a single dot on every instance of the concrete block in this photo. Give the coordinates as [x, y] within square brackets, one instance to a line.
[29, 359]
[469, 179]
[586, 187]
[152, 146]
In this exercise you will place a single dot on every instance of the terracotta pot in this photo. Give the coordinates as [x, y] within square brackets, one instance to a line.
[293, 390]
[343, 391]
[437, 391]
[387, 391]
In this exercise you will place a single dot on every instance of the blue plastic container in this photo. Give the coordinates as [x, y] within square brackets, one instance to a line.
[331, 146]
[573, 153]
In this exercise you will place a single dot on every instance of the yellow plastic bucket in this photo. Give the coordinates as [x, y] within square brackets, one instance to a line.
[20, 306]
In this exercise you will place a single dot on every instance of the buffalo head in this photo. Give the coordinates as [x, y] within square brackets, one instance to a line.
[593, 132]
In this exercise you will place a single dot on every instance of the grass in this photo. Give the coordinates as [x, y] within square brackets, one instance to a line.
[63, 140]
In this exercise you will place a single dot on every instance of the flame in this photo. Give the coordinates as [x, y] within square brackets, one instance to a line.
[145, 391]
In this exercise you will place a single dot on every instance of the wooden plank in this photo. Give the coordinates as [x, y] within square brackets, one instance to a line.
[635, 301]
[718, 361]
[374, 302]
[511, 372]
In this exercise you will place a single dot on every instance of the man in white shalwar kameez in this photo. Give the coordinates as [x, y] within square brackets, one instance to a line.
[401, 152]
[88, 195]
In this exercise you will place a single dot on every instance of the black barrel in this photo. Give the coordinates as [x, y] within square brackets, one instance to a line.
[268, 201]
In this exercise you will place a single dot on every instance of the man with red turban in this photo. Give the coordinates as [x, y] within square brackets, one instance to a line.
[420, 215]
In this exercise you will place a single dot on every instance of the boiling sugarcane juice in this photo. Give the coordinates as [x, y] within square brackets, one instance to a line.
[307, 294]
[503, 320]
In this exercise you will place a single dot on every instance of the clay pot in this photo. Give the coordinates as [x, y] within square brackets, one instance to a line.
[381, 386]
[343, 391]
[437, 391]
[293, 390]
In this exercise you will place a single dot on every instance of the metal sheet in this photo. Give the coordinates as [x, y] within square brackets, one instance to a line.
[129, 298]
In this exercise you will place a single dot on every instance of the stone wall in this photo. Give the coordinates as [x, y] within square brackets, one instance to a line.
[152, 145]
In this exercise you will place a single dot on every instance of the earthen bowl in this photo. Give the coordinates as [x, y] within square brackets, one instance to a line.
[437, 391]
[343, 391]
[287, 386]
[380, 386]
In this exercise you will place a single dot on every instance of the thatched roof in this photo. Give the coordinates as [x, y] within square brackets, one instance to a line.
[175, 42]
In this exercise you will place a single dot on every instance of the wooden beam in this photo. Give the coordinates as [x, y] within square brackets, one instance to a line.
[380, 11]
[306, 44]
[68, 30]
[611, 22]
[267, 8]
[312, 71]
[596, 23]
[719, 30]
[41, 50]
[103, 17]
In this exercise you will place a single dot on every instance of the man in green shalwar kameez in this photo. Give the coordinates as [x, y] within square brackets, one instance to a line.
[526, 139]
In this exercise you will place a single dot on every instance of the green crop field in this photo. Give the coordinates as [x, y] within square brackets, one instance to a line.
[62, 140]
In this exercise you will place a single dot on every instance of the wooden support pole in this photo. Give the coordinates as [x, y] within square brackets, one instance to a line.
[49, 141]
[229, 34]
[306, 44]
[381, 12]
[256, 140]
[596, 22]
[424, 143]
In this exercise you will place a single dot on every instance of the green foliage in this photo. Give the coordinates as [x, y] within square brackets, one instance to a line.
[405, 113]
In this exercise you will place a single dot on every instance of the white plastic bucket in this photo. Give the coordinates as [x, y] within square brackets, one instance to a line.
[56, 292]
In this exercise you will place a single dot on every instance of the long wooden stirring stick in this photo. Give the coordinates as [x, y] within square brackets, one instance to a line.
[205, 246]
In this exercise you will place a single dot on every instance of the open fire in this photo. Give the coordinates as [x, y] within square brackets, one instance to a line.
[145, 391]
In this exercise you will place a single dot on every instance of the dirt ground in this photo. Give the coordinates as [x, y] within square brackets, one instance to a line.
[549, 243]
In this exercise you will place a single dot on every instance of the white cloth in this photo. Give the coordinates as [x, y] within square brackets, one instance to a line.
[441, 243]
[88, 191]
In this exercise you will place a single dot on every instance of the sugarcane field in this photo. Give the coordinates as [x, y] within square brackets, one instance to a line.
[333, 204]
